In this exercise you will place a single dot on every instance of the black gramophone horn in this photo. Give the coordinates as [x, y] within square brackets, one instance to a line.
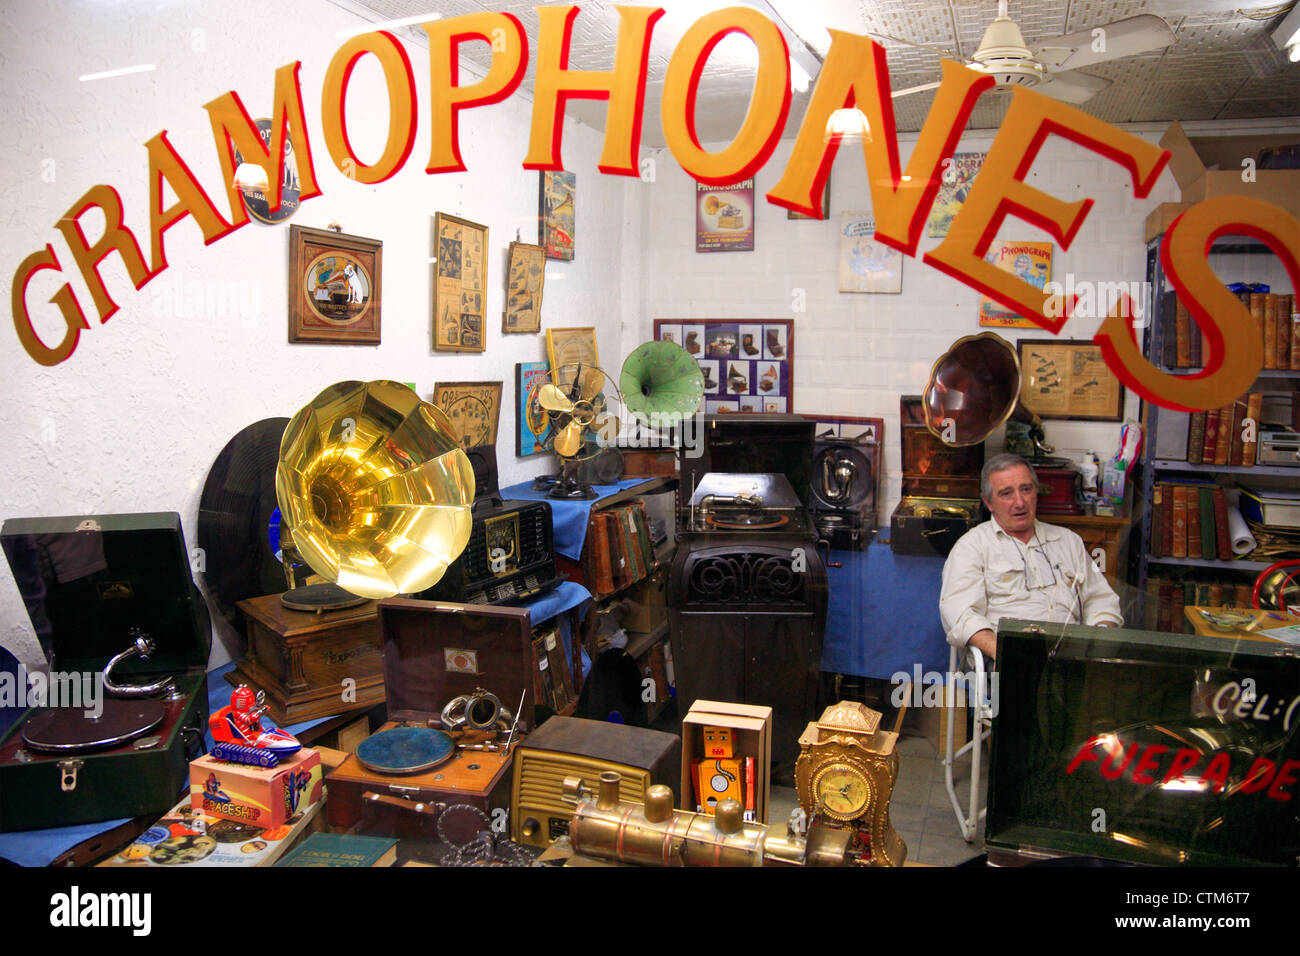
[974, 387]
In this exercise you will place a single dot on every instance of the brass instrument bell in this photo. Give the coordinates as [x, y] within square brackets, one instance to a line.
[374, 488]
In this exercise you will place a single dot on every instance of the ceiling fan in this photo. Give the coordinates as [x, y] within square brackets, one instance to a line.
[1051, 66]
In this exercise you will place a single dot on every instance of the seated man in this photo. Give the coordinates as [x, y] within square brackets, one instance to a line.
[1016, 566]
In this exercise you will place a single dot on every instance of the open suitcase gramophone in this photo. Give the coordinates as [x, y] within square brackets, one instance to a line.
[844, 480]
[127, 635]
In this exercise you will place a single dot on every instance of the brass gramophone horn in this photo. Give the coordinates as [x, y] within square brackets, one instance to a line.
[374, 488]
[974, 387]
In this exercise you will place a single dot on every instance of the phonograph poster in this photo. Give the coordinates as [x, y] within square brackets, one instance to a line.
[556, 217]
[865, 264]
[459, 285]
[747, 364]
[724, 217]
[1064, 378]
[1030, 261]
[525, 275]
[474, 409]
[958, 174]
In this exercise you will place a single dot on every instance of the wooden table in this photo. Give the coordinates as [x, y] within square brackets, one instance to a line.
[1109, 533]
[1261, 620]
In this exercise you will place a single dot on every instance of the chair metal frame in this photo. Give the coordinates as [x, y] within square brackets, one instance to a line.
[967, 818]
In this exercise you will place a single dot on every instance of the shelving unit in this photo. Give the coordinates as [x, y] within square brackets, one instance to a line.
[1269, 380]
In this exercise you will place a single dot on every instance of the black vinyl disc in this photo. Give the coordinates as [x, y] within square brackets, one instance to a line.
[239, 519]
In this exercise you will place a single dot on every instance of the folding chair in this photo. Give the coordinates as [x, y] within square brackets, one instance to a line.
[982, 718]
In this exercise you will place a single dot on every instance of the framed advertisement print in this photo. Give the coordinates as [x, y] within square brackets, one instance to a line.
[747, 363]
[474, 409]
[724, 217]
[334, 287]
[865, 264]
[568, 347]
[555, 213]
[525, 275]
[459, 284]
[531, 420]
[958, 174]
[1030, 261]
[1068, 378]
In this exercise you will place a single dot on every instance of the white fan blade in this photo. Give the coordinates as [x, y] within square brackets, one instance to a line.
[1121, 38]
[1072, 87]
[915, 89]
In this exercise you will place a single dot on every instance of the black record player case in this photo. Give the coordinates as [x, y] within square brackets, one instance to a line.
[87, 581]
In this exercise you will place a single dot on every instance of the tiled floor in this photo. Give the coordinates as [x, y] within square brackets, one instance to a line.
[920, 809]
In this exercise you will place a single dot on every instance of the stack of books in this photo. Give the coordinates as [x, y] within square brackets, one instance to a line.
[619, 549]
[1275, 316]
[1189, 519]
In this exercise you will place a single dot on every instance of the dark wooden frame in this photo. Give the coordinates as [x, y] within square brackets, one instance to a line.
[306, 246]
[1065, 348]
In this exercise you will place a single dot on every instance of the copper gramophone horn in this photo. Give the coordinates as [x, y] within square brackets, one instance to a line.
[973, 388]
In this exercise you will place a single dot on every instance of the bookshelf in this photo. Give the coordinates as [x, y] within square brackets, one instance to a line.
[1160, 469]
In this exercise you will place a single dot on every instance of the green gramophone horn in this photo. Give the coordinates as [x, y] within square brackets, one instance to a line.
[661, 378]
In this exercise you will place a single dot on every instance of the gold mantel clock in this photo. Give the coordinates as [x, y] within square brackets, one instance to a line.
[846, 772]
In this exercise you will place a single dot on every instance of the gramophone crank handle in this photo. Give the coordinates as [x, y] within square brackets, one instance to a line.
[829, 562]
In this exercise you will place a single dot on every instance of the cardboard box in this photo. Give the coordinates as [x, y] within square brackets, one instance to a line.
[263, 797]
[1190, 163]
[751, 734]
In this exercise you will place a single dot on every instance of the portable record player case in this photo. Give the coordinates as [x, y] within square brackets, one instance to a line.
[941, 488]
[434, 652]
[87, 581]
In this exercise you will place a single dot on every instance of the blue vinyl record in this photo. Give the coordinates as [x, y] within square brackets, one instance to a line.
[405, 750]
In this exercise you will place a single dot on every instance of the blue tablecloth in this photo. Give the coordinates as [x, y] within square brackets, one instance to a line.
[883, 614]
[570, 517]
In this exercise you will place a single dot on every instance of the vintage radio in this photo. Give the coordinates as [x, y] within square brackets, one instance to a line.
[572, 747]
[941, 488]
[510, 557]
[1278, 446]
[434, 653]
[1187, 742]
[114, 606]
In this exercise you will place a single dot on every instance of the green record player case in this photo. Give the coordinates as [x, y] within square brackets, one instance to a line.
[87, 581]
[1143, 747]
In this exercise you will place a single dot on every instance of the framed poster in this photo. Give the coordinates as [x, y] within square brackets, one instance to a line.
[531, 420]
[958, 174]
[459, 284]
[826, 205]
[1030, 261]
[566, 347]
[555, 213]
[474, 409]
[747, 363]
[724, 217]
[1068, 378]
[865, 264]
[525, 274]
[334, 287]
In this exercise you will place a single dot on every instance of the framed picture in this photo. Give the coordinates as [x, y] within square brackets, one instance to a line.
[1030, 261]
[474, 409]
[826, 205]
[530, 418]
[1068, 378]
[747, 363]
[724, 217]
[525, 274]
[555, 213]
[334, 287]
[865, 264]
[459, 284]
[958, 174]
[568, 347]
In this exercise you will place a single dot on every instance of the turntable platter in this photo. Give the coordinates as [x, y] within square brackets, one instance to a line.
[405, 750]
[69, 730]
[749, 519]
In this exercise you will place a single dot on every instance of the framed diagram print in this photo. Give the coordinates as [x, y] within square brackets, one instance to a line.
[459, 284]
[474, 409]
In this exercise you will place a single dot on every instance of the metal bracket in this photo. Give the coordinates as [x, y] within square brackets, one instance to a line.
[68, 774]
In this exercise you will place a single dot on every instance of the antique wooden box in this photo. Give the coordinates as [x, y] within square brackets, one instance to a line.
[433, 652]
[91, 585]
[301, 659]
[941, 488]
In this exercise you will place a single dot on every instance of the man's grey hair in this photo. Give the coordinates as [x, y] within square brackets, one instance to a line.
[999, 463]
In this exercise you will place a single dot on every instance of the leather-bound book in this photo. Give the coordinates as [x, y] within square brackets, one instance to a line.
[1223, 442]
[1234, 437]
[1180, 522]
[1294, 305]
[1249, 446]
[1182, 336]
[1270, 329]
[1158, 517]
[1167, 524]
[1211, 442]
[602, 567]
[1206, 503]
[1195, 437]
[1258, 301]
[1223, 543]
[1194, 539]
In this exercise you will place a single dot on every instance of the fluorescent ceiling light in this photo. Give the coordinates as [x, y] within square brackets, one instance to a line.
[143, 68]
[387, 24]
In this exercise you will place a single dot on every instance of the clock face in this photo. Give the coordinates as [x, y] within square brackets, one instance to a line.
[842, 791]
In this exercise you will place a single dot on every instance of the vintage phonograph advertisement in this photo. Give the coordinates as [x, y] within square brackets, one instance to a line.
[867, 265]
[954, 185]
[1068, 379]
[1029, 262]
[556, 214]
[724, 217]
[460, 284]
